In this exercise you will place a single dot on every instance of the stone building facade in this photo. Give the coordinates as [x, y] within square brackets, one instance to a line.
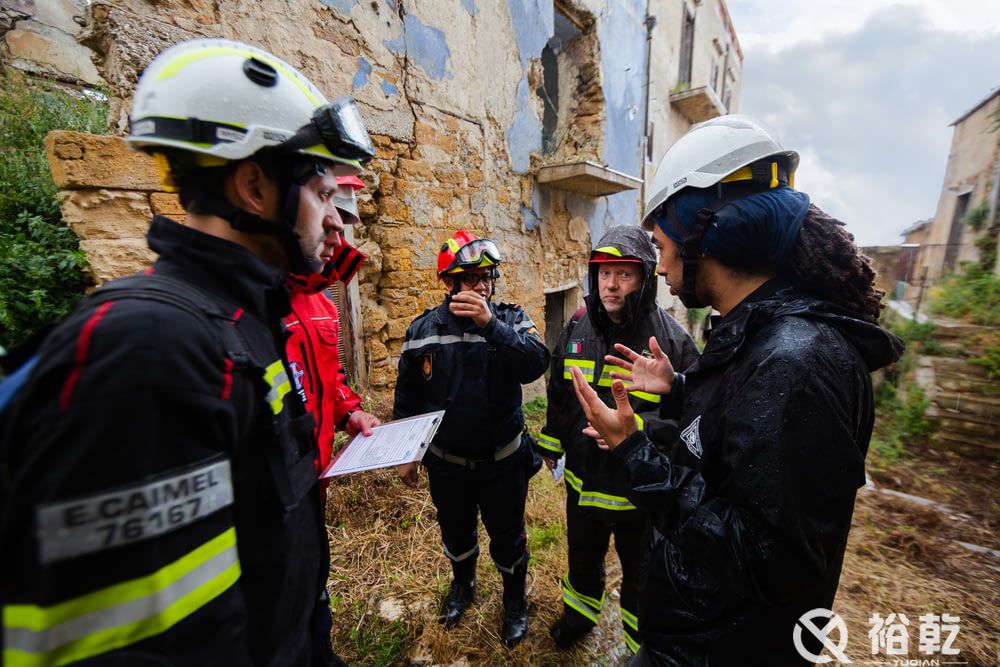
[971, 180]
[532, 122]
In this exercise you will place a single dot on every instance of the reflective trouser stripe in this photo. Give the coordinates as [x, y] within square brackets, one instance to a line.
[639, 422]
[122, 614]
[474, 551]
[589, 608]
[604, 501]
[586, 367]
[550, 443]
[277, 379]
[631, 626]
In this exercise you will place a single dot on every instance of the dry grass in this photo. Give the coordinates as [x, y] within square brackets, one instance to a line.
[385, 547]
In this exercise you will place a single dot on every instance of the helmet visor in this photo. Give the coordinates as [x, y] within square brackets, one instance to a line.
[472, 254]
[342, 131]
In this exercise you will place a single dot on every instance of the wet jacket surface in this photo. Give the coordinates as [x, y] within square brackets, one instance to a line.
[584, 344]
[751, 509]
[474, 374]
[162, 460]
[314, 355]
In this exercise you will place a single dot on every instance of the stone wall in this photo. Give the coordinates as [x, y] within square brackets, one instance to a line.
[449, 91]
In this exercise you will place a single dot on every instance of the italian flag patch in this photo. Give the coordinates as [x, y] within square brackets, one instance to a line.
[574, 347]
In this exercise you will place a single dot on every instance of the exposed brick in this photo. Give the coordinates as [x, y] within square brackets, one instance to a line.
[81, 160]
[113, 258]
[106, 214]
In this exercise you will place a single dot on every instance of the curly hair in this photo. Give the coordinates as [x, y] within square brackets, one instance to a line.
[826, 263]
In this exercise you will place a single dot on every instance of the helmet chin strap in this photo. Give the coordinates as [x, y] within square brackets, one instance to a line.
[690, 250]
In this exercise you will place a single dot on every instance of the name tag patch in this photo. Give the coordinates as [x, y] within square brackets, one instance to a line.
[131, 514]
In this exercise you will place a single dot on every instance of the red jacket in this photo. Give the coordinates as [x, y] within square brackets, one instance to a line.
[313, 354]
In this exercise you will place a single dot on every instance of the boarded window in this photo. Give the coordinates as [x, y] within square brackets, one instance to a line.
[687, 47]
[955, 236]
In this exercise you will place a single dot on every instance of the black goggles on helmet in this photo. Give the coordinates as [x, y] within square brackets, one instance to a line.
[339, 127]
[472, 254]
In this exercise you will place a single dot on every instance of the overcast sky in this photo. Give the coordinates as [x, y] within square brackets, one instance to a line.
[865, 91]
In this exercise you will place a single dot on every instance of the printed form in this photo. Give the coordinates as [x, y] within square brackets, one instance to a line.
[390, 444]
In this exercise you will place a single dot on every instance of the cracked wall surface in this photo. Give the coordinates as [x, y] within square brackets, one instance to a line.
[448, 92]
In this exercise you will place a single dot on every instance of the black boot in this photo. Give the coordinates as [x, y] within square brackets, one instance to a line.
[515, 606]
[569, 629]
[461, 594]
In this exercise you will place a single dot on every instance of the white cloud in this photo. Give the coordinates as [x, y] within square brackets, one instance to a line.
[865, 91]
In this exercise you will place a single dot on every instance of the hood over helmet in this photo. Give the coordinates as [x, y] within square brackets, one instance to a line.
[629, 243]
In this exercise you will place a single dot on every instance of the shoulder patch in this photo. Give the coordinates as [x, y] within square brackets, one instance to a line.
[692, 438]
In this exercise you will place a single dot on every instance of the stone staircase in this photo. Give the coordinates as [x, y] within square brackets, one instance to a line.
[965, 402]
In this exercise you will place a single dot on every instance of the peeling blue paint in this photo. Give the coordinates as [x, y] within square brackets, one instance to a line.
[426, 46]
[532, 21]
[470, 6]
[342, 6]
[361, 76]
[389, 89]
[622, 37]
[524, 136]
[392, 4]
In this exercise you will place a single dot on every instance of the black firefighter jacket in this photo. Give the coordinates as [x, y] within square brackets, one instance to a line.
[584, 343]
[474, 374]
[752, 508]
[145, 525]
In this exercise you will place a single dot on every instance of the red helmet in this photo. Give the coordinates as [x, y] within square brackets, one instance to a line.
[465, 251]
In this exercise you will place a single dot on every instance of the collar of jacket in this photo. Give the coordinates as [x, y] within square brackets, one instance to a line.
[775, 299]
[221, 267]
[343, 266]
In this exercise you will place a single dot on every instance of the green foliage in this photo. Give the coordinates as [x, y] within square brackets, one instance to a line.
[542, 536]
[536, 407]
[901, 419]
[40, 262]
[377, 642]
[975, 218]
[974, 295]
[987, 247]
[990, 361]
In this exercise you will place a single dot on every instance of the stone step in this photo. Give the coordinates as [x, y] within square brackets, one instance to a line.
[965, 427]
[970, 445]
[953, 366]
[956, 384]
[965, 403]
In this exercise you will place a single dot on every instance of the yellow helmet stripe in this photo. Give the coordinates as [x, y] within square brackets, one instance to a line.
[180, 62]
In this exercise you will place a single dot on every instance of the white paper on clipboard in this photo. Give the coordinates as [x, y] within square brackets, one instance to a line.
[390, 444]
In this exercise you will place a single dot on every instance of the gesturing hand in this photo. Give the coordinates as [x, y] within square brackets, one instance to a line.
[612, 426]
[471, 305]
[652, 375]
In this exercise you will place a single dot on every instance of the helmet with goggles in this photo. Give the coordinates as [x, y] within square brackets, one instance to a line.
[206, 103]
[465, 251]
[226, 100]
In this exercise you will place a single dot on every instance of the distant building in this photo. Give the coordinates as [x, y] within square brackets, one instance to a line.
[970, 185]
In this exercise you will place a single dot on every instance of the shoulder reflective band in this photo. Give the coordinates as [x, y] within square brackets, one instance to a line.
[586, 367]
[277, 379]
[122, 614]
[550, 443]
[132, 514]
[639, 422]
[604, 501]
[441, 340]
[588, 607]
[524, 325]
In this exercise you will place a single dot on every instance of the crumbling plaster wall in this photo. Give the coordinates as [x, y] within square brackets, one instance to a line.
[444, 89]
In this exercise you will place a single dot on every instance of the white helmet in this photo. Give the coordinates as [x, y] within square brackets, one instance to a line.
[710, 152]
[227, 100]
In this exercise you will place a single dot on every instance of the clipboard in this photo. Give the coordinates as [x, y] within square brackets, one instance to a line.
[390, 444]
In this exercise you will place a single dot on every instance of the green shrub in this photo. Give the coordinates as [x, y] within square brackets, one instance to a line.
[990, 361]
[975, 218]
[41, 265]
[974, 295]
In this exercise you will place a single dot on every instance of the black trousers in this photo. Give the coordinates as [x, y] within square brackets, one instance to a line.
[589, 535]
[497, 491]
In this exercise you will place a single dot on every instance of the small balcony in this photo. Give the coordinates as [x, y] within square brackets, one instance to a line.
[586, 178]
[698, 104]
